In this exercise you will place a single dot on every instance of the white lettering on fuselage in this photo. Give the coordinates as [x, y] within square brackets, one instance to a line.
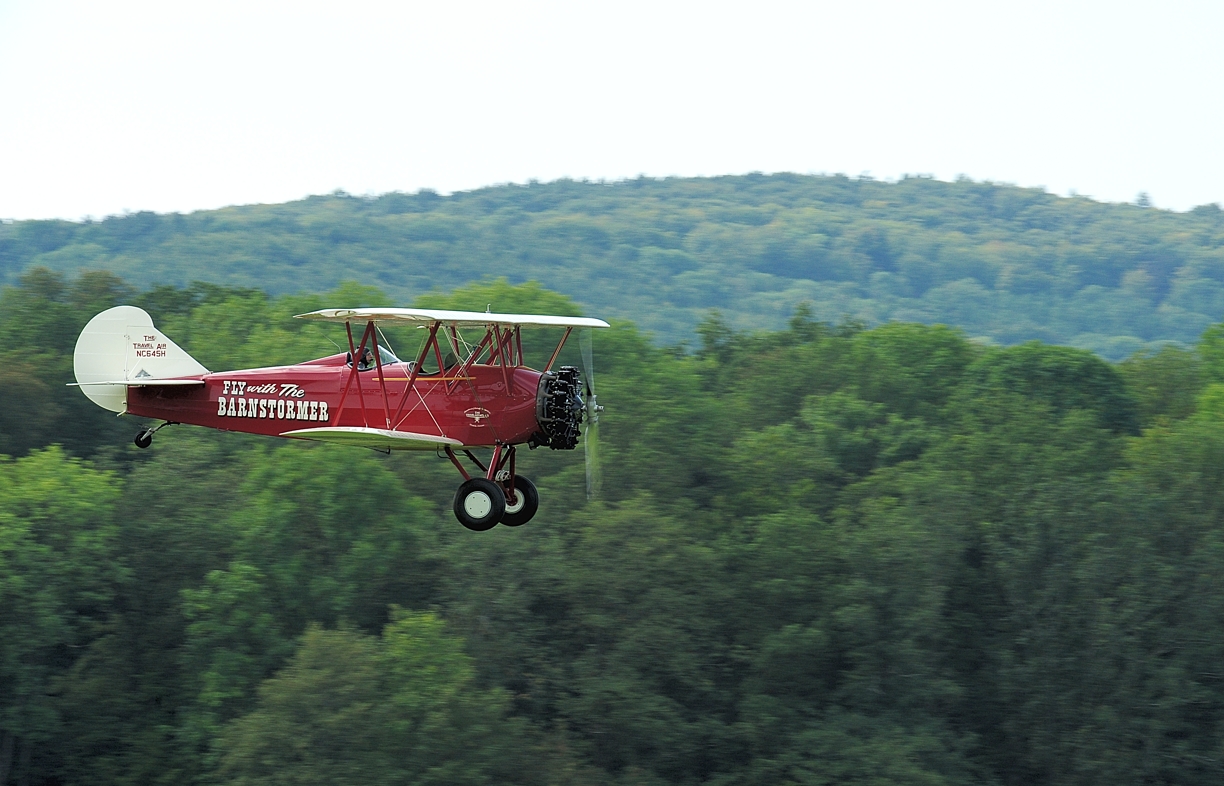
[239, 388]
[270, 409]
[234, 402]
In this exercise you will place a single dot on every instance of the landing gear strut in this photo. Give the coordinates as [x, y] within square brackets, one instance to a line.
[501, 495]
[144, 437]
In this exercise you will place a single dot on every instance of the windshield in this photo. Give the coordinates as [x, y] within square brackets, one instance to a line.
[367, 359]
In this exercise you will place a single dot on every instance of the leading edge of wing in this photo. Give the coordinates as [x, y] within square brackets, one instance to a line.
[461, 318]
[377, 438]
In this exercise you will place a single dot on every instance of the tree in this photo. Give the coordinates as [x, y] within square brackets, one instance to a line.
[403, 709]
[1062, 379]
[1164, 384]
[58, 574]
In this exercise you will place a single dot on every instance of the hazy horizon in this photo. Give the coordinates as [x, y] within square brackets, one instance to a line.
[525, 184]
[133, 106]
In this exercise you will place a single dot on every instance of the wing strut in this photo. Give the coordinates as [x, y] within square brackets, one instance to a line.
[416, 368]
[557, 351]
[381, 381]
[499, 351]
[354, 358]
[356, 351]
[471, 359]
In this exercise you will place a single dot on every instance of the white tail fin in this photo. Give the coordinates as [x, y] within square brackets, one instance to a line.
[121, 345]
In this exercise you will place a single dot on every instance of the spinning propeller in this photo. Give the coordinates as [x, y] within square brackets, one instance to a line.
[590, 432]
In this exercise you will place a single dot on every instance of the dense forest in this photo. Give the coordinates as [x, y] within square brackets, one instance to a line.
[1005, 264]
[823, 554]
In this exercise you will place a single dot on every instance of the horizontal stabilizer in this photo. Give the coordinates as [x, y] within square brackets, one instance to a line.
[376, 438]
[135, 383]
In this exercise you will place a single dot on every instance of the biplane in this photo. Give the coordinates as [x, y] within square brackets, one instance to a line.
[458, 395]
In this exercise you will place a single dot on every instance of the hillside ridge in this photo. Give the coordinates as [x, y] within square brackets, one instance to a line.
[1004, 264]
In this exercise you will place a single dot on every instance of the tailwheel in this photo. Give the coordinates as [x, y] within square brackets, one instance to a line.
[523, 507]
[479, 504]
[144, 437]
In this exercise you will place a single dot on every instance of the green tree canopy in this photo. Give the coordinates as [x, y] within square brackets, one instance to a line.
[401, 709]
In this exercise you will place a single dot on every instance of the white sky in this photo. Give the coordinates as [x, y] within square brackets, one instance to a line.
[117, 105]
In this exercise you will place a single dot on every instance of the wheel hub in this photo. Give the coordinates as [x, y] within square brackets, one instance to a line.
[477, 504]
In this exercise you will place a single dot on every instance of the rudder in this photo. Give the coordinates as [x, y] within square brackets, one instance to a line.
[122, 345]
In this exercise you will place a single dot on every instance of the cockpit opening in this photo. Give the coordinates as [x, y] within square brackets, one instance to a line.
[367, 358]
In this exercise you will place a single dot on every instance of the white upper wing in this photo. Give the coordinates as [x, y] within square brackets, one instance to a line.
[459, 318]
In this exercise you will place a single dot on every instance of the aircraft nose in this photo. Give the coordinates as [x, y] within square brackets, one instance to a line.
[559, 409]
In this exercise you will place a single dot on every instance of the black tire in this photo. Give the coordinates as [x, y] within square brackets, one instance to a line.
[479, 504]
[525, 505]
[143, 440]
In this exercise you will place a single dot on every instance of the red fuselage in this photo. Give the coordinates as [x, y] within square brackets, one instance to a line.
[476, 410]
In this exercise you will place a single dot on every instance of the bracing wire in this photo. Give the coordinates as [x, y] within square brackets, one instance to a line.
[386, 342]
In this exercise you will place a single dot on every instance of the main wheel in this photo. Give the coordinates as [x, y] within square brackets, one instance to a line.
[479, 504]
[144, 439]
[526, 503]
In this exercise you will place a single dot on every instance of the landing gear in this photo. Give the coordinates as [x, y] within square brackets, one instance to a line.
[479, 504]
[524, 505]
[501, 495]
[144, 438]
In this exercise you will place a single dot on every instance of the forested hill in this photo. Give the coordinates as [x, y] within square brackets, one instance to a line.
[1004, 263]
